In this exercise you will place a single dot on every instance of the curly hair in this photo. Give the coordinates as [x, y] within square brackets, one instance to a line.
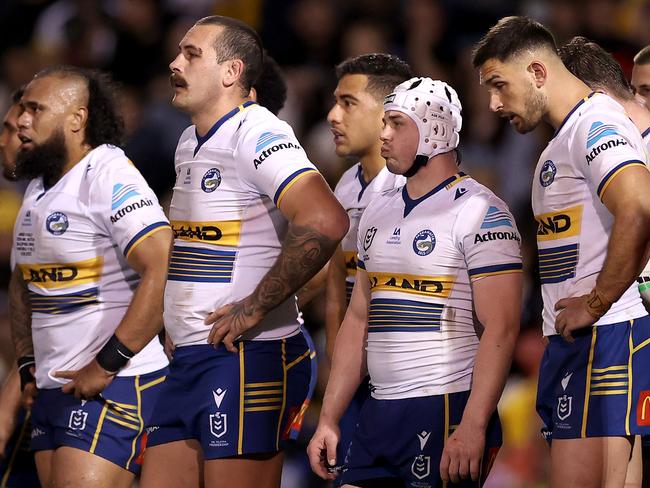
[104, 125]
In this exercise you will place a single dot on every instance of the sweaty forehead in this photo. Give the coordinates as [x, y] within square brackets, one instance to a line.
[57, 90]
[494, 68]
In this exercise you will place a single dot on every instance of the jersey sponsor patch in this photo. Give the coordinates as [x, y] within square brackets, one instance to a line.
[496, 218]
[268, 138]
[559, 224]
[121, 193]
[54, 276]
[224, 233]
[598, 130]
[432, 286]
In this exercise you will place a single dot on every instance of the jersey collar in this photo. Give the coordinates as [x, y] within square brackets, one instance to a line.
[219, 123]
[410, 203]
[572, 111]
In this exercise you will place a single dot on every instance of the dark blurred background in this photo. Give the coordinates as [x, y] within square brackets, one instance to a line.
[136, 39]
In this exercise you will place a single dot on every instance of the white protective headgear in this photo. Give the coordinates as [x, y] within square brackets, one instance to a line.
[435, 108]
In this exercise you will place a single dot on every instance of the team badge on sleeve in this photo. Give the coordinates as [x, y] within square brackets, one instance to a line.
[547, 174]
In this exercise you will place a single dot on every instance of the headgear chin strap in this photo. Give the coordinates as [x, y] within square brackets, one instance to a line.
[436, 110]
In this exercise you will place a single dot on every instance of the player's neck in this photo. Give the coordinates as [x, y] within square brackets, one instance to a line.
[437, 170]
[639, 114]
[371, 165]
[208, 116]
[567, 94]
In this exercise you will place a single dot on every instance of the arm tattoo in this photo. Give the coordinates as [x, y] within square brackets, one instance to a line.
[20, 315]
[304, 252]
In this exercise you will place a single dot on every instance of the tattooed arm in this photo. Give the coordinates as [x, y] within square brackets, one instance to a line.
[317, 223]
[21, 315]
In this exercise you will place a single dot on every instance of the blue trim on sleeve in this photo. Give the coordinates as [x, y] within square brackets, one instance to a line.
[361, 264]
[645, 132]
[144, 231]
[604, 181]
[288, 180]
[495, 268]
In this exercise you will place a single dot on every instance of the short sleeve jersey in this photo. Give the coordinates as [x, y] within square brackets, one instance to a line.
[354, 194]
[71, 243]
[227, 226]
[593, 145]
[421, 257]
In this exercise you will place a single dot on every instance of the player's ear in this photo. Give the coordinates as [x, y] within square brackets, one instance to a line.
[234, 70]
[538, 71]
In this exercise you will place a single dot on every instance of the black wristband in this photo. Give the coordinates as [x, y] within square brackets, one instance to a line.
[114, 355]
[25, 364]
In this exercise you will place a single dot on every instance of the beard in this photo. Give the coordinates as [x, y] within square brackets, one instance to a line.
[534, 111]
[9, 172]
[46, 159]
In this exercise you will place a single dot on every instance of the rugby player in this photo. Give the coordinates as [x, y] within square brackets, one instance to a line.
[641, 74]
[593, 219]
[253, 221]
[17, 467]
[433, 254]
[356, 123]
[91, 246]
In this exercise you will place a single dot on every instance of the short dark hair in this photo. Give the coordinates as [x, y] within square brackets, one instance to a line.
[238, 41]
[509, 37]
[104, 125]
[596, 67]
[270, 86]
[17, 94]
[384, 71]
[643, 56]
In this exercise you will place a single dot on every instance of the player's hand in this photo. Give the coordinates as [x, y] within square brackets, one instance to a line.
[573, 315]
[231, 321]
[87, 382]
[461, 457]
[322, 451]
[29, 393]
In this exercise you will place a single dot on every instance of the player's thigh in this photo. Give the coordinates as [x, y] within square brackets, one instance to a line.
[43, 461]
[634, 475]
[172, 465]
[252, 471]
[592, 462]
[74, 468]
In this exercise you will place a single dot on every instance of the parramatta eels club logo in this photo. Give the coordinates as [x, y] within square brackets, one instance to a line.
[424, 242]
[547, 173]
[211, 180]
[56, 223]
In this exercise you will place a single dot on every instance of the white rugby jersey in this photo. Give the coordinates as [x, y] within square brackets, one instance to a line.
[227, 226]
[354, 194]
[644, 278]
[421, 256]
[71, 244]
[594, 143]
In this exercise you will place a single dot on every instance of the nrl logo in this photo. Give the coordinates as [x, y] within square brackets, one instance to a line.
[370, 235]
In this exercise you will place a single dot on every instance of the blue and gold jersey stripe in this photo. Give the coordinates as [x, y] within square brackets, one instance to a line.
[349, 286]
[60, 304]
[288, 183]
[392, 315]
[201, 265]
[614, 172]
[143, 234]
[557, 264]
[263, 396]
[495, 269]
